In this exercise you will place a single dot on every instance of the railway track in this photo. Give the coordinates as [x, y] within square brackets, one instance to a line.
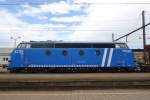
[73, 85]
[50, 81]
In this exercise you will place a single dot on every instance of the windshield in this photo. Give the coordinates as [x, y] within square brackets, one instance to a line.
[121, 45]
[24, 45]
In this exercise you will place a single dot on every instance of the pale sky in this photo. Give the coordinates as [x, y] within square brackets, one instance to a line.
[72, 20]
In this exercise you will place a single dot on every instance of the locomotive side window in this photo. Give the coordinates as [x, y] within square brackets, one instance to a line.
[81, 53]
[97, 52]
[64, 52]
[42, 45]
[103, 45]
[84, 45]
[72, 45]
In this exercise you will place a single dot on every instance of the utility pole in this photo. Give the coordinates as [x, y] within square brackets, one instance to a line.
[15, 40]
[126, 38]
[144, 35]
[113, 37]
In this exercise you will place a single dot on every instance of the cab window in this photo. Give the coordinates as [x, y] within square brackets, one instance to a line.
[24, 45]
[121, 45]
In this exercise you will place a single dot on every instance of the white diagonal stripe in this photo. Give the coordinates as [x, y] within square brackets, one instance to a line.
[110, 57]
[104, 57]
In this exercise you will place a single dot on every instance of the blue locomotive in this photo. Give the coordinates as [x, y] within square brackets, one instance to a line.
[37, 56]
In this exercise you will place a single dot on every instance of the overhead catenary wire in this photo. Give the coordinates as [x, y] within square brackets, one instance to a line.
[60, 30]
[78, 3]
[131, 32]
[119, 3]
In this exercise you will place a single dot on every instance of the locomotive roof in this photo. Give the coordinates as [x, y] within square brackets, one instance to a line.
[68, 42]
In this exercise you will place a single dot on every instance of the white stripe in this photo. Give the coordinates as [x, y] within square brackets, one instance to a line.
[110, 57]
[104, 57]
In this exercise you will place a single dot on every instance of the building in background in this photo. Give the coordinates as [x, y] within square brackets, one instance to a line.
[139, 55]
[4, 56]
[147, 49]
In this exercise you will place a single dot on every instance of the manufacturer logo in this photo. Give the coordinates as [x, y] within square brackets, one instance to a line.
[19, 52]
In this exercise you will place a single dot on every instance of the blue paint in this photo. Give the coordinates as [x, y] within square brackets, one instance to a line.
[53, 57]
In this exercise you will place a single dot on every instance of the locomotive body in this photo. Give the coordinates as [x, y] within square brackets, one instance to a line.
[62, 55]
